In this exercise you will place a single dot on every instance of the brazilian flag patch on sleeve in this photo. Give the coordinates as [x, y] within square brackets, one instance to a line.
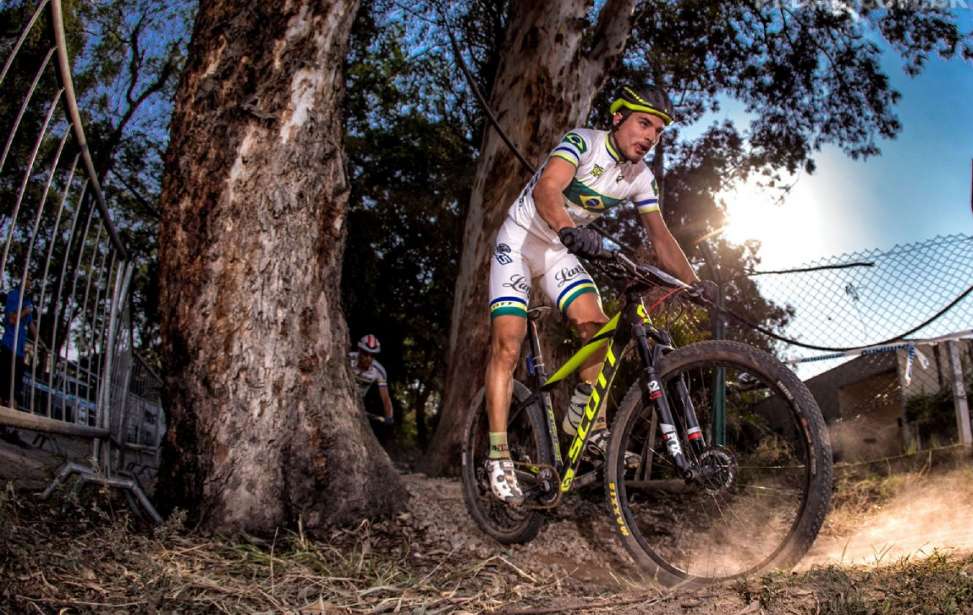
[576, 140]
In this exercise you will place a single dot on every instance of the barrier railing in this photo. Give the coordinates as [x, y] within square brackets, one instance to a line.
[66, 362]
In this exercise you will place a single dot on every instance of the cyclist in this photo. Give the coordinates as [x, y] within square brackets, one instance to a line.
[586, 174]
[368, 371]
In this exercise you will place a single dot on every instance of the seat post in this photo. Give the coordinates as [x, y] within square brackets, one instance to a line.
[535, 358]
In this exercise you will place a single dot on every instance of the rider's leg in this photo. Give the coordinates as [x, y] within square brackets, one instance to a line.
[510, 278]
[506, 335]
[587, 317]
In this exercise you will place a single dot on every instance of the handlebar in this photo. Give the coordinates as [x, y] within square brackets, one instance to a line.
[650, 275]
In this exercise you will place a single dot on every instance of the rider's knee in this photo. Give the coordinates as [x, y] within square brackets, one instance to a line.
[588, 324]
[505, 350]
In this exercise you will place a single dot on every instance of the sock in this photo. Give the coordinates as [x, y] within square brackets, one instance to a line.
[498, 445]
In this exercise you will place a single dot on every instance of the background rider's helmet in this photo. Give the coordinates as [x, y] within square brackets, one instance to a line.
[648, 99]
[369, 344]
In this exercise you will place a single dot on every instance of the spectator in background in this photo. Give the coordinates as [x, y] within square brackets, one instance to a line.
[18, 320]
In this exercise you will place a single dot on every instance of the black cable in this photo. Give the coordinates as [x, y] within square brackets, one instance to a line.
[496, 124]
[897, 338]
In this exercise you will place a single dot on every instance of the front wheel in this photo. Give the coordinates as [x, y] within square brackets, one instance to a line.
[767, 475]
[529, 446]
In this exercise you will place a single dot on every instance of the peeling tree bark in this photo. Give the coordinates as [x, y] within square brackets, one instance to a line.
[264, 422]
[545, 83]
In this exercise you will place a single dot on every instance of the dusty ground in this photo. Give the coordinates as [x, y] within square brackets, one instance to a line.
[913, 529]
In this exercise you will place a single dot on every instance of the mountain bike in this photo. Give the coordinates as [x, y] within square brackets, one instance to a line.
[718, 465]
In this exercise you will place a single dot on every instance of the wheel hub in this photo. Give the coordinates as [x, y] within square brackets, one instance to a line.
[718, 469]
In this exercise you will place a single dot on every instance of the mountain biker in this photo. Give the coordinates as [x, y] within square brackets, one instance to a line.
[587, 173]
[369, 371]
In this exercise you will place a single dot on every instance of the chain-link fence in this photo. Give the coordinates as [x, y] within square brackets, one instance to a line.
[883, 401]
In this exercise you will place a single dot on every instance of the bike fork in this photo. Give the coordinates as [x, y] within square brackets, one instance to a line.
[653, 391]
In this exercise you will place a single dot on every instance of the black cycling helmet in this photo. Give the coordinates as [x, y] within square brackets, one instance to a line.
[649, 99]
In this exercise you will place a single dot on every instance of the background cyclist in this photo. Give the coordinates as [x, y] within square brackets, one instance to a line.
[369, 371]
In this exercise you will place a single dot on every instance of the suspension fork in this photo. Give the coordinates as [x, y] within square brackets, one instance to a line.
[538, 376]
[653, 391]
[693, 431]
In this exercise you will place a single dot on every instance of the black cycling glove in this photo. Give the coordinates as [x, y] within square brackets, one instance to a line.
[583, 242]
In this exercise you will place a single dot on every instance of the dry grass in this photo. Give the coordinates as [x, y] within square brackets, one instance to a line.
[91, 556]
[939, 583]
[88, 557]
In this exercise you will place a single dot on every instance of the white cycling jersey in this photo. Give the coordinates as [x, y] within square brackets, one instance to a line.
[603, 180]
[527, 248]
[375, 374]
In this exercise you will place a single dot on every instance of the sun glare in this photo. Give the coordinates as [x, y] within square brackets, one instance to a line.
[788, 230]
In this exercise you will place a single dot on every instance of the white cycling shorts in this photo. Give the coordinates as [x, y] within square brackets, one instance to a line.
[519, 258]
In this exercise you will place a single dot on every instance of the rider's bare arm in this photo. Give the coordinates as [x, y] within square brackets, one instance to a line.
[549, 193]
[386, 400]
[671, 257]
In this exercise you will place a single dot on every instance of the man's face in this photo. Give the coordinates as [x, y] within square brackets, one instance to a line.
[637, 134]
[364, 360]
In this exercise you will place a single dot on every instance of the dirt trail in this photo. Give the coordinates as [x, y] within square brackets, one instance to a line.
[435, 559]
[914, 516]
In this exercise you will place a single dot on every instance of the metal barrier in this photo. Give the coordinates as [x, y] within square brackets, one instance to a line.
[74, 376]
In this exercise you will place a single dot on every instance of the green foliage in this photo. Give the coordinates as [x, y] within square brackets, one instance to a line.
[410, 169]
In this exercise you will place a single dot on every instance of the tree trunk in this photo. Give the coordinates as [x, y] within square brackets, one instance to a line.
[265, 426]
[545, 83]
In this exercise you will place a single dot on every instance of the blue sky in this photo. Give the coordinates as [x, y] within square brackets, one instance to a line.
[918, 188]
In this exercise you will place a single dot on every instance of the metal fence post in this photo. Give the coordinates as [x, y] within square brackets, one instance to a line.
[959, 396]
[719, 376]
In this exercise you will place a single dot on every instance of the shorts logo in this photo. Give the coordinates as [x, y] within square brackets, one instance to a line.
[503, 254]
[518, 283]
[576, 140]
[566, 274]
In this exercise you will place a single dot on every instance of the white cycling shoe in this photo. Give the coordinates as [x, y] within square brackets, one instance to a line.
[503, 481]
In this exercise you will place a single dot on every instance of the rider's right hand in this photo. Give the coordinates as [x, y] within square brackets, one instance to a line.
[583, 242]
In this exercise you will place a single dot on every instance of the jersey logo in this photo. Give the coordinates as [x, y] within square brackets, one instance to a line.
[597, 171]
[502, 254]
[576, 140]
[591, 202]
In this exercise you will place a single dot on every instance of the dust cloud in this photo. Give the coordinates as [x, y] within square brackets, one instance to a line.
[926, 513]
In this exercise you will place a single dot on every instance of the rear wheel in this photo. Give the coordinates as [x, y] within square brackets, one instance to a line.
[529, 447]
[767, 486]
